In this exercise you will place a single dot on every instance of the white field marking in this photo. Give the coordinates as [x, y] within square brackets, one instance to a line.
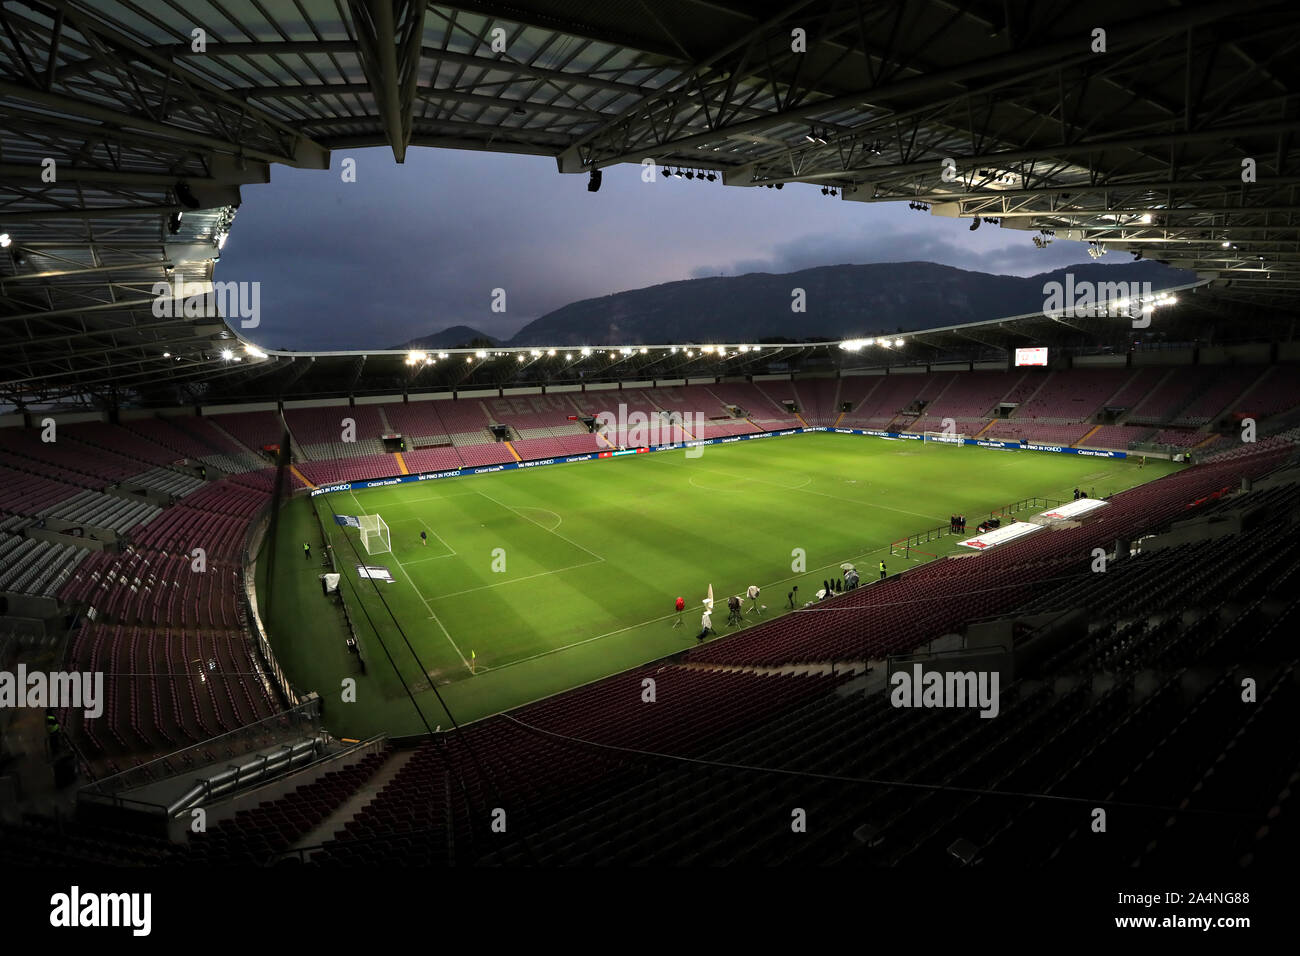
[806, 491]
[669, 615]
[438, 536]
[405, 498]
[691, 481]
[515, 511]
[451, 552]
[436, 557]
[428, 607]
[558, 520]
[539, 574]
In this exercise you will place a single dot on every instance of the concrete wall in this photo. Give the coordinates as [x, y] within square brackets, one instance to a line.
[245, 407]
[316, 403]
[136, 414]
[1163, 357]
[1100, 361]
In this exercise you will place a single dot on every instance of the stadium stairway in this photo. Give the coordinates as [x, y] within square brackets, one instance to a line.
[355, 803]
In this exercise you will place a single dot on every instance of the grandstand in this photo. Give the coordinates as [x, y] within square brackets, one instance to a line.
[349, 608]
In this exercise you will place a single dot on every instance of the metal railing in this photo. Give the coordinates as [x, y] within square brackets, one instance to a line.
[252, 542]
[301, 721]
[1024, 504]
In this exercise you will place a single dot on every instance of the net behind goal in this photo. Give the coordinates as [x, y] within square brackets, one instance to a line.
[951, 438]
[374, 535]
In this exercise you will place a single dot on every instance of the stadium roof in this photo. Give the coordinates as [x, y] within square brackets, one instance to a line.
[1139, 148]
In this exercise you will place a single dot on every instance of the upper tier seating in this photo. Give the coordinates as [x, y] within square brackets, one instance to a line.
[1073, 396]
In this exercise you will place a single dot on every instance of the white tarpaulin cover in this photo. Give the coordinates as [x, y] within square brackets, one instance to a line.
[1008, 532]
[1072, 509]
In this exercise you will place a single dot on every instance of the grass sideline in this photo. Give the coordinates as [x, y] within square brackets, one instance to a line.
[595, 553]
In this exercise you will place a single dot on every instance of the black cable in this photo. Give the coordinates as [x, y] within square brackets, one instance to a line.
[478, 766]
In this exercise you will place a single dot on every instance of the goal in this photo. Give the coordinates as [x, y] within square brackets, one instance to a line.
[949, 438]
[374, 535]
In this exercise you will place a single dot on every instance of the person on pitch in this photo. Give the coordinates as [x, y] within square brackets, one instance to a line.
[882, 570]
[306, 550]
[679, 606]
[794, 592]
[424, 538]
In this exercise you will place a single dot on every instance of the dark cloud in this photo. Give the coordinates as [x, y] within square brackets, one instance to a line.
[990, 249]
[412, 249]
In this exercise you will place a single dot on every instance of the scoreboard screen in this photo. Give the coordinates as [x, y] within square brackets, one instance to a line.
[1035, 356]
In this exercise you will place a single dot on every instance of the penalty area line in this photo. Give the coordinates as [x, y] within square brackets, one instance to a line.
[432, 616]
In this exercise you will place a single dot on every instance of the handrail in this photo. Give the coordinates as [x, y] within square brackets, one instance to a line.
[252, 540]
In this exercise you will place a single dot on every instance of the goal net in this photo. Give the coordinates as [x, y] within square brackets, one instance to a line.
[374, 535]
[951, 438]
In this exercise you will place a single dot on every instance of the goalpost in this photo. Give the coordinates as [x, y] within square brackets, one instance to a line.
[374, 535]
[949, 438]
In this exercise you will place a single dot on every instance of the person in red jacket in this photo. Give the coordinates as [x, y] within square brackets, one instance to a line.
[681, 606]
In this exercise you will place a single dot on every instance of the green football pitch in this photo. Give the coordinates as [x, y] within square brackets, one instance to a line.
[537, 580]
